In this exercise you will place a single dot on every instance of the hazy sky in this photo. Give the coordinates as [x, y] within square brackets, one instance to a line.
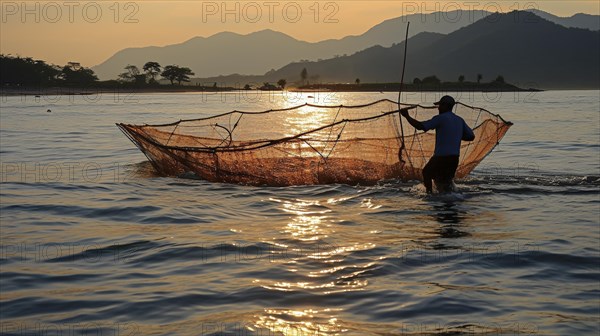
[91, 31]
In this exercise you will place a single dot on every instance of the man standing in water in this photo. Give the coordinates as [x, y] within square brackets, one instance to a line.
[450, 129]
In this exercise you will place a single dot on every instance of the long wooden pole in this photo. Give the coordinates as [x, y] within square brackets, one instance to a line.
[400, 97]
[403, 64]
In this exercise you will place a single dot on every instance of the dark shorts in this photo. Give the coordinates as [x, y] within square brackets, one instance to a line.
[441, 168]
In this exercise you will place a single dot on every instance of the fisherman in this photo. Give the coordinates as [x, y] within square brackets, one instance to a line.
[450, 129]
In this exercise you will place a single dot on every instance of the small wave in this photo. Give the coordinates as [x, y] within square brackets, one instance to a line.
[547, 180]
[114, 213]
[142, 169]
[29, 306]
[15, 281]
[112, 252]
[218, 253]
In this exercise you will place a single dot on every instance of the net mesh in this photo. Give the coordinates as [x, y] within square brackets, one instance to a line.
[309, 144]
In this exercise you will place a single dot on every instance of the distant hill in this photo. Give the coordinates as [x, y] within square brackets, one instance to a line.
[580, 20]
[343, 68]
[256, 53]
[526, 50]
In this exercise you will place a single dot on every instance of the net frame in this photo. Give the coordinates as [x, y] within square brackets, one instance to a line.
[216, 156]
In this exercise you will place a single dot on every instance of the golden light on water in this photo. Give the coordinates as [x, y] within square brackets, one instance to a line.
[306, 224]
[301, 322]
[306, 227]
[310, 225]
[308, 118]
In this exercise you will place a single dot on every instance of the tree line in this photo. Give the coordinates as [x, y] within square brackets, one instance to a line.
[151, 70]
[18, 71]
[26, 71]
[461, 79]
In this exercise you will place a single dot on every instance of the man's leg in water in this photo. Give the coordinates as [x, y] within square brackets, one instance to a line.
[428, 172]
[445, 171]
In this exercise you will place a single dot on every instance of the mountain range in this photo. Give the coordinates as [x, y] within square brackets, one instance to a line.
[579, 20]
[256, 53]
[525, 49]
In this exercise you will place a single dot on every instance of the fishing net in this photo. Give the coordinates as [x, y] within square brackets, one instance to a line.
[309, 144]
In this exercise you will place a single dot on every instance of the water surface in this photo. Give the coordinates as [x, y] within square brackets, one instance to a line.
[93, 242]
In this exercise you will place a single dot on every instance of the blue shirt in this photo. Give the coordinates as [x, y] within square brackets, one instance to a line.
[449, 131]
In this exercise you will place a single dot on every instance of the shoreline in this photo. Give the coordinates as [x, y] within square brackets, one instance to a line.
[428, 87]
[426, 90]
[80, 91]
[71, 91]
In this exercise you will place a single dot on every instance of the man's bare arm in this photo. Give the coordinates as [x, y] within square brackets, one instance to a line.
[414, 122]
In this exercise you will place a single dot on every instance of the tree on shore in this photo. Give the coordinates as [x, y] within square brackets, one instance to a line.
[461, 78]
[176, 73]
[132, 75]
[357, 81]
[183, 75]
[152, 70]
[479, 78]
[170, 73]
[282, 83]
[81, 76]
[499, 79]
[268, 87]
[431, 80]
[417, 81]
[304, 75]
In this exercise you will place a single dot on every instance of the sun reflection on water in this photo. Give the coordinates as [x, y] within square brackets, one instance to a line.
[308, 118]
[317, 266]
[301, 322]
[310, 220]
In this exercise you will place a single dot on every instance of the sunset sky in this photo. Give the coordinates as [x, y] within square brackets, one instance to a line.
[90, 32]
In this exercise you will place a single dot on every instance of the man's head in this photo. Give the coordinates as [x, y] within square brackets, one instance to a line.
[445, 104]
